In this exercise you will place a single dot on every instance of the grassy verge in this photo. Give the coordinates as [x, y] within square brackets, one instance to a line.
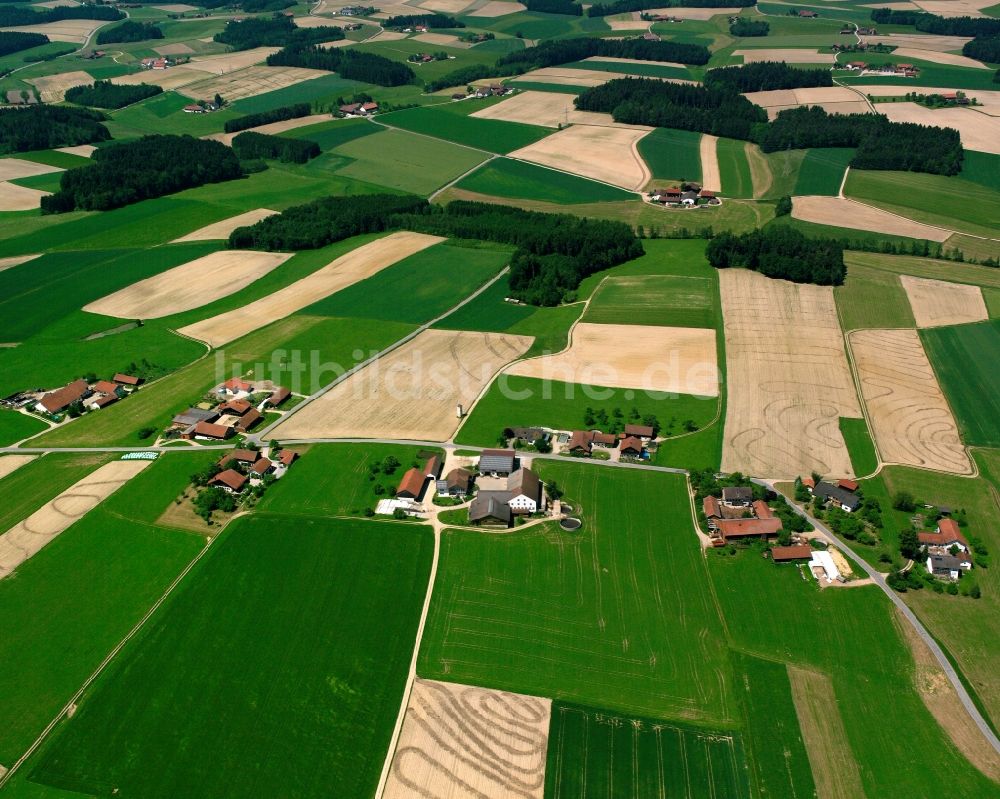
[859, 445]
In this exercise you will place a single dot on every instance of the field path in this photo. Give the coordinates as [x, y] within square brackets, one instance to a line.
[711, 178]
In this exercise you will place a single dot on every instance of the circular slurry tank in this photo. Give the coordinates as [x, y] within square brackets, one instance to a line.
[569, 523]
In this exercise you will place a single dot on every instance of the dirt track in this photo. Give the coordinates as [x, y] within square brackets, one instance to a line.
[910, 419]
[937, 303]
[461, 741]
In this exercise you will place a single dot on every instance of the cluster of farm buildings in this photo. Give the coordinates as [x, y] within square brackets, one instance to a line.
[85, 395]
[633, 443]
[688, 195]
[233, 407]
[241, 468]
[899, 70]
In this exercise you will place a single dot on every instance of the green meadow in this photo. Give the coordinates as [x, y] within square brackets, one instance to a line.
[331, 135]
[822, 170]
[860, 447]
[668, 300]
[672, 154]
[16, 426]
[734, 168]
[871, 297]
[492, 135]
[221, 695]
[504, 177]
[28, 488]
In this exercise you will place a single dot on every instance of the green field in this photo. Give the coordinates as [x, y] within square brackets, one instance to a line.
[324, 89]
[672, 154]
[408, 163]
[734, 168]
[646, 70]
[981, 168]
[503, 177]
[614, 615]
[859, 445]
[333, 134]
[972, 274]
[336, 480]
[16, 426]
[222, 696]
[871, 297]
[593, 753]
[669, 300]
[493, 135]
[935, 199]
[71, 603]
[432, 280]
[964, 358]
[822, 170]
[513, 401]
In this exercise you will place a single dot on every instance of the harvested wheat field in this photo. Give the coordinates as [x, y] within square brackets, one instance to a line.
[19, 198]
[273, 128]
[989, 100]
[951, 59]
[445, 6]
[978, 131]
[606, 154]
[954, 8]
[910, 419]
[789, 382]
[230, 62]
[167, 79]
[919, 41]
[28, 537]
[189, 285]
[613, 60]
[458, 741]
[358, 264]
[443, 39]
[497, 8]
[58, 4]
[221, 230]
[15, 168]
[11, 463]
[16, 260]
[547, 109]
[52, 88]
[177, 8]
[841, 212]
[249, 82]
[711, 178]
[937, 303]
[687, 13]
[67, 30]
[564, 76]
[411, 393]
[390, 36]
[673, 360]
[833, 99]
[788, 55]
[177, 48]
[83, 150]
[629, 23]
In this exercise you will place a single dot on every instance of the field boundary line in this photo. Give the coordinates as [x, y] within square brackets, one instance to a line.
[104, 664]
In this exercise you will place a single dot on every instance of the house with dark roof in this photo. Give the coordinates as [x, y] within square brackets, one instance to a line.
[639, 431]
[737, 496]
[490, 507]
[529, 435]
[456, 483]
[229, 480]
[261, 467]
[247, 456]
[582, 442]
[248, 420]
[630, 447]
[496, 462]
[525, 492]
[278, 396]
[98, 401]
[192, 416]
[433, 467]
[841, 497]
[948, 567]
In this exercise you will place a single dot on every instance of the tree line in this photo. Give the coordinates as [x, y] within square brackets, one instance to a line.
[130, 31]
[744, 26]
[266, 117]
[983, 48]
[428, 20]
[15, 41]
[780, 252]
[262, 6]
[766, 76]
[42, 127]
[276, 31]
[10, 17]
[719, 109]
[250, 145]
[941, 26]
[139, 170]
[623, 6]
[567, 7]
[105, 94]
[351, 64]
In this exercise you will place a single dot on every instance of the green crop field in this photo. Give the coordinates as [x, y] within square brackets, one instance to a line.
[822, 170]
[614, 615]
[503, 177]
[164, 113]
[734, 168]
[336, 480]
[859, 445]
[871, 298]
[984, 276]
[493, 135]
[28, 488]
[513, 401]
[971, 208]
[333, 134]
[314, 701]
[964, 358]
[324, 89]
[981, 168]
[669, 300]
[71, 603]
[16, 426]
[593, 753]
[672, 154]
[409, 163]
[430, 278]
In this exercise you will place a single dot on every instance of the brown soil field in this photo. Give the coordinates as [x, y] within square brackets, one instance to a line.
[16, 260]
[789, 381]
[29, 536]
[936, 303]
[790, 55]
[842, 212]
[249, 82]
[463, 741]
[606, 154]
[230, 62]
[711, 178]
[67, 30]
[188, 286]
[358, 264]
[168, 78]
[920, 41]
[14, 168]
[497, 8]
[177, 48]
[941, 700]
[834, 767]
[910, 418]
[630, 23]
[675, 360]
[978, 131]
[412, 392]
[221, 230]
[11, 463]
[53, 88]
[84, 150]
[19, 198]
[941, 58]
[445, 6]
[274, 127]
